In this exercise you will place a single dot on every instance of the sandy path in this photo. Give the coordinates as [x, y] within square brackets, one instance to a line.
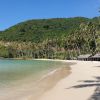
[80, 85]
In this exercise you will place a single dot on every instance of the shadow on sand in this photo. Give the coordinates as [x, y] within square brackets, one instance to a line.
[90, 83]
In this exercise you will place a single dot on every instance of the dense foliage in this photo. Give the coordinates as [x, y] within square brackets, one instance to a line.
[63, 38]
[39, 30]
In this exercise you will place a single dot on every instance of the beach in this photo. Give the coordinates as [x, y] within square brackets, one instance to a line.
[72, 80]
[79, 85]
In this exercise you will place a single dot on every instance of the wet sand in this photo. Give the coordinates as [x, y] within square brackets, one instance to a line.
[49, 81]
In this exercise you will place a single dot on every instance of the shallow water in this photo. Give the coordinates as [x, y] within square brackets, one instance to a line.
[12, 70]
[21, 75]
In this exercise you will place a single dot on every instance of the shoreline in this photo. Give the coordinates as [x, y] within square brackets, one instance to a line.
[76, 83]
[48, 81]
[64, 88]
[79, 85]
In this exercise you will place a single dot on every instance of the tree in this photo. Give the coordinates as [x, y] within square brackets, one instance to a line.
[92, 46]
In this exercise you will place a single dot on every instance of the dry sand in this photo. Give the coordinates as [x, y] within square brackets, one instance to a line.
[79, 85]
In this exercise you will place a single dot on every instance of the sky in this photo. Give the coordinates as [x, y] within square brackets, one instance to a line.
[16, 11]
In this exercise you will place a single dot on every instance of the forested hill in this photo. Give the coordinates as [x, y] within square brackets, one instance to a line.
[39, 30]
[58, 38]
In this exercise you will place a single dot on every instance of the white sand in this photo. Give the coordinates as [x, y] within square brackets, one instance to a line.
[82, 71]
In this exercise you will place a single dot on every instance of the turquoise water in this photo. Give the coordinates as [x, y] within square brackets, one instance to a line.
[13, 70]
[20, 79]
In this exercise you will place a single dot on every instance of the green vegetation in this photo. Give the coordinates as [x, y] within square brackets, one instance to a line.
[59, 38]
[39, 30]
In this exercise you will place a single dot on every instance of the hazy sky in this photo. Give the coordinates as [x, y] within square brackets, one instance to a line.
[15, 11]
